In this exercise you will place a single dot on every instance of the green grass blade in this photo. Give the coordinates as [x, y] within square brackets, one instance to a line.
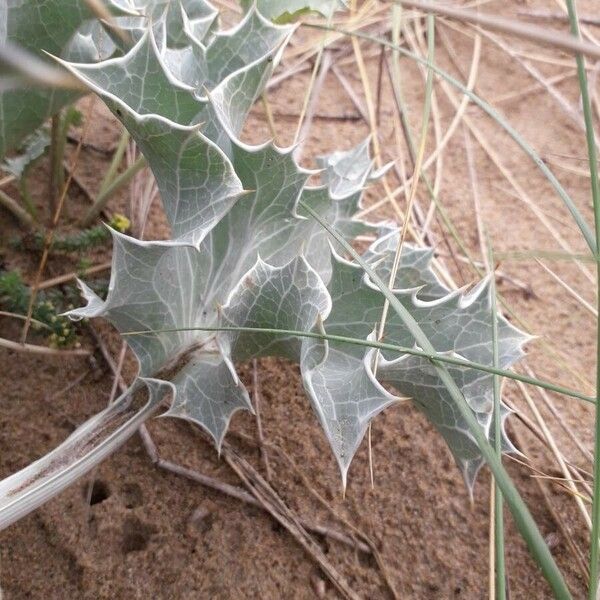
[451, 360]
[595, 185]
[497, 423]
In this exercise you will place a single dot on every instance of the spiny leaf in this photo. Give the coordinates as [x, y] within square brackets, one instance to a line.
[256, 259]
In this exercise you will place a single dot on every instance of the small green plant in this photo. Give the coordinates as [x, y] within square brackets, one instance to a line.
[46, 316]
[77, 242]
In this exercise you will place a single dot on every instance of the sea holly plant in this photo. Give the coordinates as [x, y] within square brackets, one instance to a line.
[250, 270]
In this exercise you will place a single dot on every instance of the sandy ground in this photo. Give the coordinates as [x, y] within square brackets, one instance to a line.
[139, 539]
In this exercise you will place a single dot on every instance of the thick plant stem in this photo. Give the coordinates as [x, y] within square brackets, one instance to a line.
[102, 198]
[595, 185]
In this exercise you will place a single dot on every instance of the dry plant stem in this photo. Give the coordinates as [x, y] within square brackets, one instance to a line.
[561, 421]
[60, 279]
[560, 99]
[271, 502]
[420, 30]
[556, 452]
[358, 534]
[542, 475]
[269, 115]
[50, 232]
[31, 70]
[17, 211]
[395, 78]
[546, 15]
[343, 57]
[259, 429]
[6, 180]
[495, 499]
[568, 288]
[309, 91]
[33, 349]
[577, 472]
[435, 207]
[519, 510]
[534, 88]
[552, 217]
[553, 38]
[415, 183]
[581, 29]
[372, 122]
[309, 108]
[372, 118]
[567, 200]
[73, 139]
[55, 181]
[368, 15]
[441, 145]
[566, 167]
[544, 59]
[379, 85]
[507, 173]
[500, 275]
[78, 181]
[551, 351]
[11, 315]
[318, 116]
[351, 93]
[98, 8]
[541, 422]
[240, 494]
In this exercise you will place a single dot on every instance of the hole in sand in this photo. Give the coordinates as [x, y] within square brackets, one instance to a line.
[100, 492]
